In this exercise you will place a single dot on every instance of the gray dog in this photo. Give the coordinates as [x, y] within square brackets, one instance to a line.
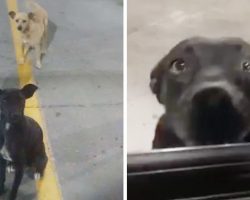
[204, 85]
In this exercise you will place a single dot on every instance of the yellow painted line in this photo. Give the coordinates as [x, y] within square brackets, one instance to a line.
[48, 188]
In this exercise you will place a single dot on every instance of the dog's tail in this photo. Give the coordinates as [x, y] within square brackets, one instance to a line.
[38, 11]
[35, 7]
[32, 5]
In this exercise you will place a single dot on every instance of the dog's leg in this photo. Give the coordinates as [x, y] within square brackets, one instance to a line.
[2, 174]
[40, 164]
[165, 137]
[38, 56]
[17, 181]
[25, 51]
[10, 168]
[22, 59]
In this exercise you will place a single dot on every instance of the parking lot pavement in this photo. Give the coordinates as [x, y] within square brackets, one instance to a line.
[153, 28]
[80, 90]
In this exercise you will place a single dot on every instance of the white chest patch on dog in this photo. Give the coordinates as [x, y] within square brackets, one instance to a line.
[25, 41]
[4, 152]
[7, 126]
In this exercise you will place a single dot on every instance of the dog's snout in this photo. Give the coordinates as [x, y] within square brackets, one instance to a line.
[212, 73]
[19, 28]
[211, 96]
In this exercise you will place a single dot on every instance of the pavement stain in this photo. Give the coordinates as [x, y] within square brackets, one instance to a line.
[58, 114]
[103, 151]
[6, 57]
[4, 41]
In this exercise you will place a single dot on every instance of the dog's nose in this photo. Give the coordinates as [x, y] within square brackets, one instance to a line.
[211, 96]
[19, 28]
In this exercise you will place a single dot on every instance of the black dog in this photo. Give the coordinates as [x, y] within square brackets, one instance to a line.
[21, 138]
[204, 85]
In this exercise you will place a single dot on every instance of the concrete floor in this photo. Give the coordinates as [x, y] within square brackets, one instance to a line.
[80, 93]
[156, 26]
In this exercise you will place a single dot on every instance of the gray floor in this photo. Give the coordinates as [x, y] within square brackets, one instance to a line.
[156, 26]
[81, 95]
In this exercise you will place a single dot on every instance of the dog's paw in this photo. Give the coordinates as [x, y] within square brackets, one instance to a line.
[10, 169]
[21, 61]
[37, 176]
[38, 65]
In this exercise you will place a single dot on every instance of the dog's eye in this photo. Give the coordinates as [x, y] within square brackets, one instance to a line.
[178, 66]
[24, 21]
[245, 66]
[17, 20]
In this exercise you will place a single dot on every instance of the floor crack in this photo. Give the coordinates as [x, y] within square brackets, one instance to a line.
[76, 105]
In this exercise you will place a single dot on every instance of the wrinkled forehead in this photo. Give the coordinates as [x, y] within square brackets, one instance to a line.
[211, 51]
[21, 15]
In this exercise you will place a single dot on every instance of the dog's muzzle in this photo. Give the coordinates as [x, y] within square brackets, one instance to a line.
[213, 97]
[213, 93]
[215, 115]
[19, 28]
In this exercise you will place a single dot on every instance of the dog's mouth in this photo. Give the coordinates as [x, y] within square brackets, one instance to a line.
[214, 118]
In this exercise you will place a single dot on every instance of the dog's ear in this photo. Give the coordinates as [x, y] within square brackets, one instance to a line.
[31, 15]
[28, 90]
[12, 14]
[157, 82]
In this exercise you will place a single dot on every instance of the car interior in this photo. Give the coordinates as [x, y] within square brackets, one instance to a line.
[204, 172]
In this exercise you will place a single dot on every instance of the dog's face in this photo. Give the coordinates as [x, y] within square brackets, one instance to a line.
[205, 87]
[12, 102]
[21, 19]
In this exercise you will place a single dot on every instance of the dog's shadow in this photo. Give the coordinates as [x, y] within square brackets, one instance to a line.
[20, 196]
[27, 190]
[52, 28]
